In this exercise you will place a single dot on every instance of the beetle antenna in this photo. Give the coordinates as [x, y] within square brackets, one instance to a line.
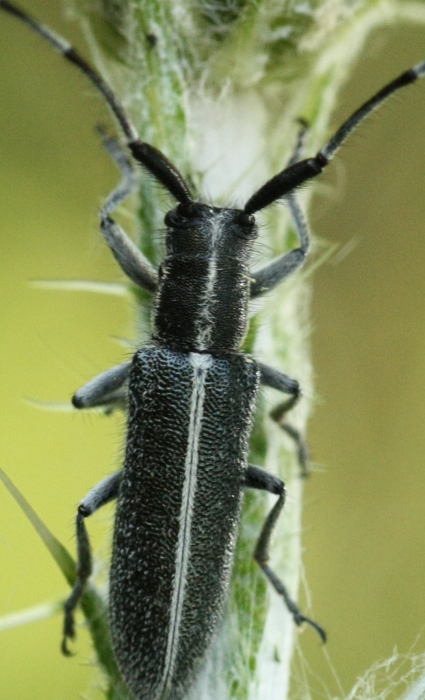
[296, 174]
[153, 160]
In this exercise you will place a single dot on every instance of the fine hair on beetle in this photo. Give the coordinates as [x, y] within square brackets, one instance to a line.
[190, 393]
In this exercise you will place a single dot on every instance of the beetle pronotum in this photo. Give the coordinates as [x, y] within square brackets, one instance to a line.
[191, 394]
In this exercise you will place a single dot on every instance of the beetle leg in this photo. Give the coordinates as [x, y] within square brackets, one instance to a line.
[276, 271]
[256, 478]
[298, 151]
[101, 494]
[126, 253]
[107, 389]
[277, 380]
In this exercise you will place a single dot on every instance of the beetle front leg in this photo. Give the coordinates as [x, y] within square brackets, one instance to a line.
[277, 270]
[126, 253]
[277, 380]
[107, 389]
[101, 494]
[271, 275]
[256, 478]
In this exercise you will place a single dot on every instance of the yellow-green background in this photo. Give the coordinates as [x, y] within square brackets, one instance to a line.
[365, 516]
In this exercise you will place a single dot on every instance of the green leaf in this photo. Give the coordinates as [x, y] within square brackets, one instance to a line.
[59, 553]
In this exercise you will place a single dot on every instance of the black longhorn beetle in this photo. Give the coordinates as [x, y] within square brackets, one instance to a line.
[191, 393]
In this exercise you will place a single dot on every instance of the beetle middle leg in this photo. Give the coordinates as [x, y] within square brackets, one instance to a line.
[108, 389]
[104, 492]
[277, 380]
[256, 478]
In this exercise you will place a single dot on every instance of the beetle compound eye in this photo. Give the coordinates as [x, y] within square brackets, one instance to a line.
[187, 210]
[244, 226]
[182, 217]
[169, 218]
[246, 220]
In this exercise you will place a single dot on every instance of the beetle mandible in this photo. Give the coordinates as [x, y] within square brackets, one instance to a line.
[191, 393]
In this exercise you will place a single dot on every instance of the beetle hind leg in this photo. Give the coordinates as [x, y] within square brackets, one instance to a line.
[256, 478]
[101, 494]
[84, 569]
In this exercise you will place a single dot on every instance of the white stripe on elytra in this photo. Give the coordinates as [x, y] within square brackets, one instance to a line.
[200, 365]
[204, 320]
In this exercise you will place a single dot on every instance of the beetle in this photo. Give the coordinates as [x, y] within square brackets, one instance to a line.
[190, 394]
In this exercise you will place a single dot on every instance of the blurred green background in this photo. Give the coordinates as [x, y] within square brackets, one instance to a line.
[364, 516]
